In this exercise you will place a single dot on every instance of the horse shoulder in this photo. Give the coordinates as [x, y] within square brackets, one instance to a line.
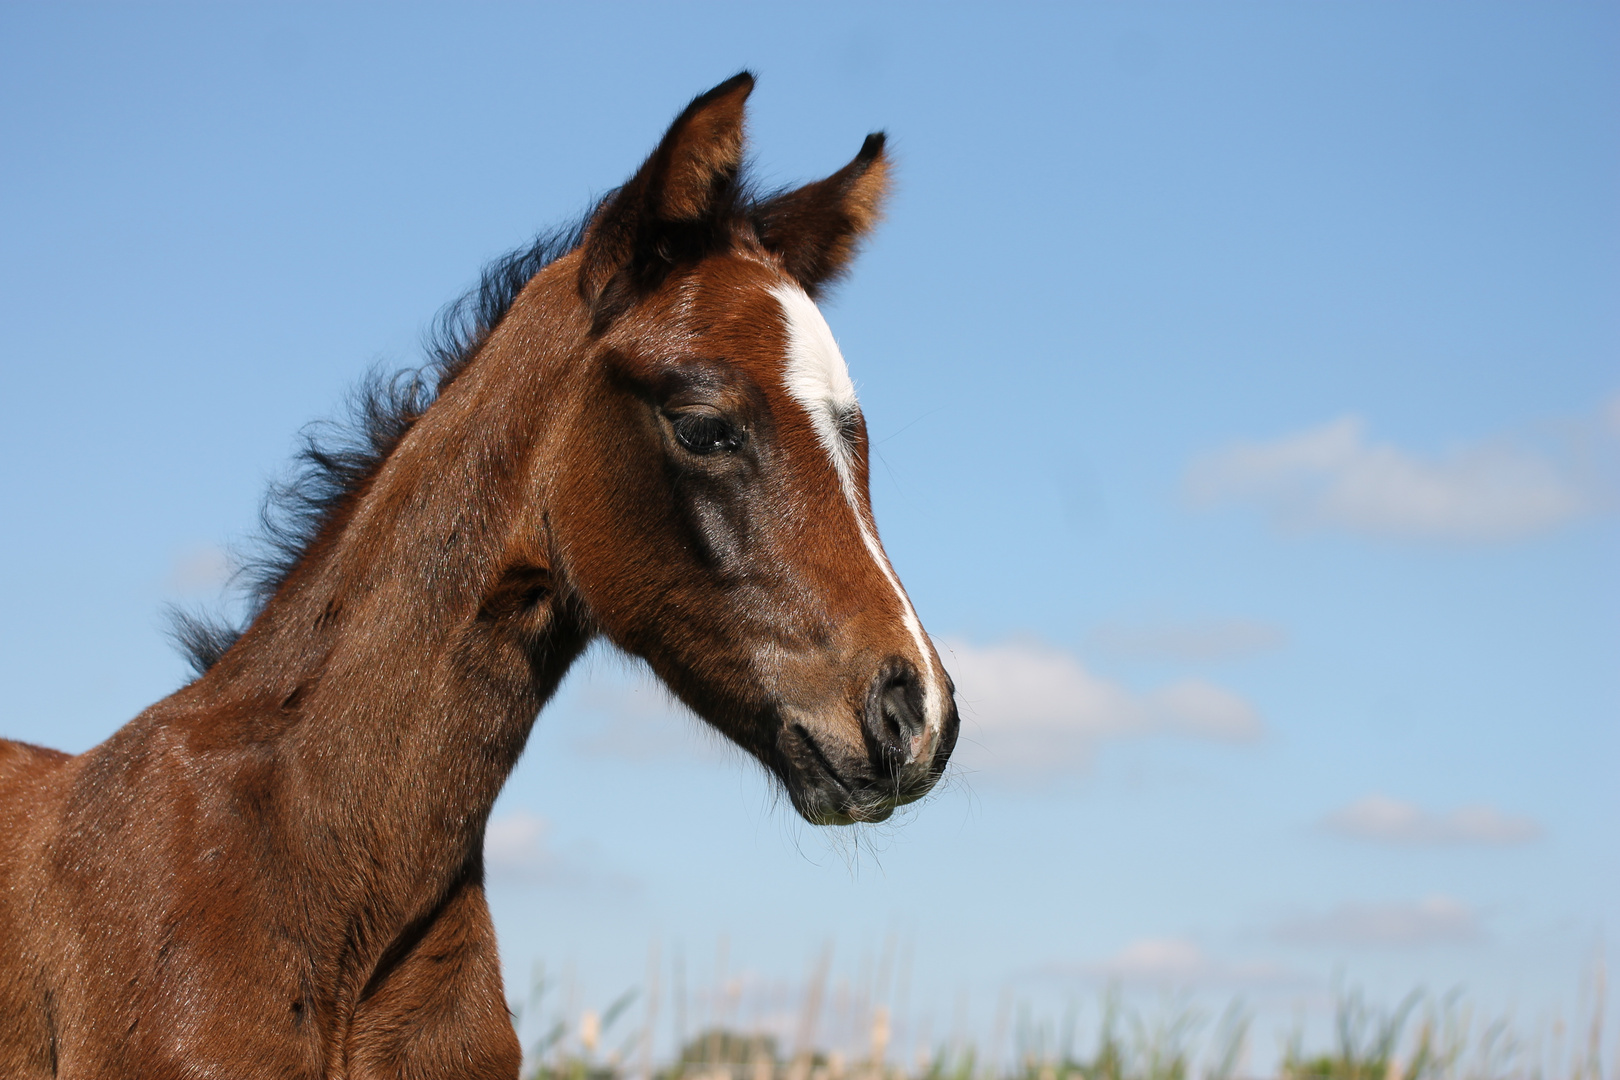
[152, 866]
[31, 779]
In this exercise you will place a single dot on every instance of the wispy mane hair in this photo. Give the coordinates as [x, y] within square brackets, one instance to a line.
[338, 459]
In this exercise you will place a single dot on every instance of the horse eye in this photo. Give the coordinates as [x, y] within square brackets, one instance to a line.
[704, 433]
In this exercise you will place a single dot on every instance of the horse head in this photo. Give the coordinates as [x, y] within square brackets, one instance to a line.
[703, 495]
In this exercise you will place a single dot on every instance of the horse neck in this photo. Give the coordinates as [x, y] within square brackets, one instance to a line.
[405, 658]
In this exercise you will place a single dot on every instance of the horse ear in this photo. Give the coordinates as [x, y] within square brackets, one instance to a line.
[815, 229]
[674, 204]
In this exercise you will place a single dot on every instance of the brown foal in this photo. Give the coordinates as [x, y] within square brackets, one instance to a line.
[646, 434]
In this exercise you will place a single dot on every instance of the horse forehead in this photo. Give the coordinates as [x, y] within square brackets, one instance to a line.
[760, 318]
[814, 370]
[748, 315]
[731, 296]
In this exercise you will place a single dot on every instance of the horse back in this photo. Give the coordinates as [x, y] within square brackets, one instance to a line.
[20, 758]
[31, 782]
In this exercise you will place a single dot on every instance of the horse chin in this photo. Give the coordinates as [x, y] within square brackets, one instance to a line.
[867, 817]
[824, 813]
[828, 799]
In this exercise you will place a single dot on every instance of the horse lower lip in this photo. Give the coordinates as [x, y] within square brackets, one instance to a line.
[824, 796]
[847, 814]
[881, 813]
[829, 799]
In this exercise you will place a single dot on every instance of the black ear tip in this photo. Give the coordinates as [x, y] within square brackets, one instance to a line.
[743, 80]
[872, 147]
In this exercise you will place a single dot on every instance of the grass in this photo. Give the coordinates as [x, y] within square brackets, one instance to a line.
[1422, 1037]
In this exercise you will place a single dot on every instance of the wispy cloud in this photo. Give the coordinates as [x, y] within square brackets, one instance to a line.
[1221, 639]
[640, 720]
[517, 851]
[1175, 962]
[1433, 920]
[1395, 821]
[200, 569]
[1335, 477]
[630, 714]
[1033, 708]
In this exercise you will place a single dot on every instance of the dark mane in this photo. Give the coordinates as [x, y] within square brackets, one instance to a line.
[338, 458]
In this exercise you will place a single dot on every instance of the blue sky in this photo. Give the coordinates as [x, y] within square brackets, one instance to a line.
[1245, 383]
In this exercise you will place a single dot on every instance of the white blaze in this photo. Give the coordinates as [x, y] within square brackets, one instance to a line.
[818, 379]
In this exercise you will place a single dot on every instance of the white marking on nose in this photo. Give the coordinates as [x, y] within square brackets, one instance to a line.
[818, 379]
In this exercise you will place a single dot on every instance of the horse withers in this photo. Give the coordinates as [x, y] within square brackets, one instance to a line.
[643, 431]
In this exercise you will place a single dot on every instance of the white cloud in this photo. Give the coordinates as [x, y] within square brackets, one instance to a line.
[515, 844]
[1222, 639]
[1332, 476]
[1027, 707]
[1158, 958]
[1030, 707]
[1176, 962]
[1433, 920]
[1394, 821]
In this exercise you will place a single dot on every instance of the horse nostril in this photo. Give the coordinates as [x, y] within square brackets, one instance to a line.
[894, 715]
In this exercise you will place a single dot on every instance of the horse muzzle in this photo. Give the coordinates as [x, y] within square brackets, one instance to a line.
[896, 758]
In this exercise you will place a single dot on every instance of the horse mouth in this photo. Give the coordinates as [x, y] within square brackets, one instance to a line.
[829, 789]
